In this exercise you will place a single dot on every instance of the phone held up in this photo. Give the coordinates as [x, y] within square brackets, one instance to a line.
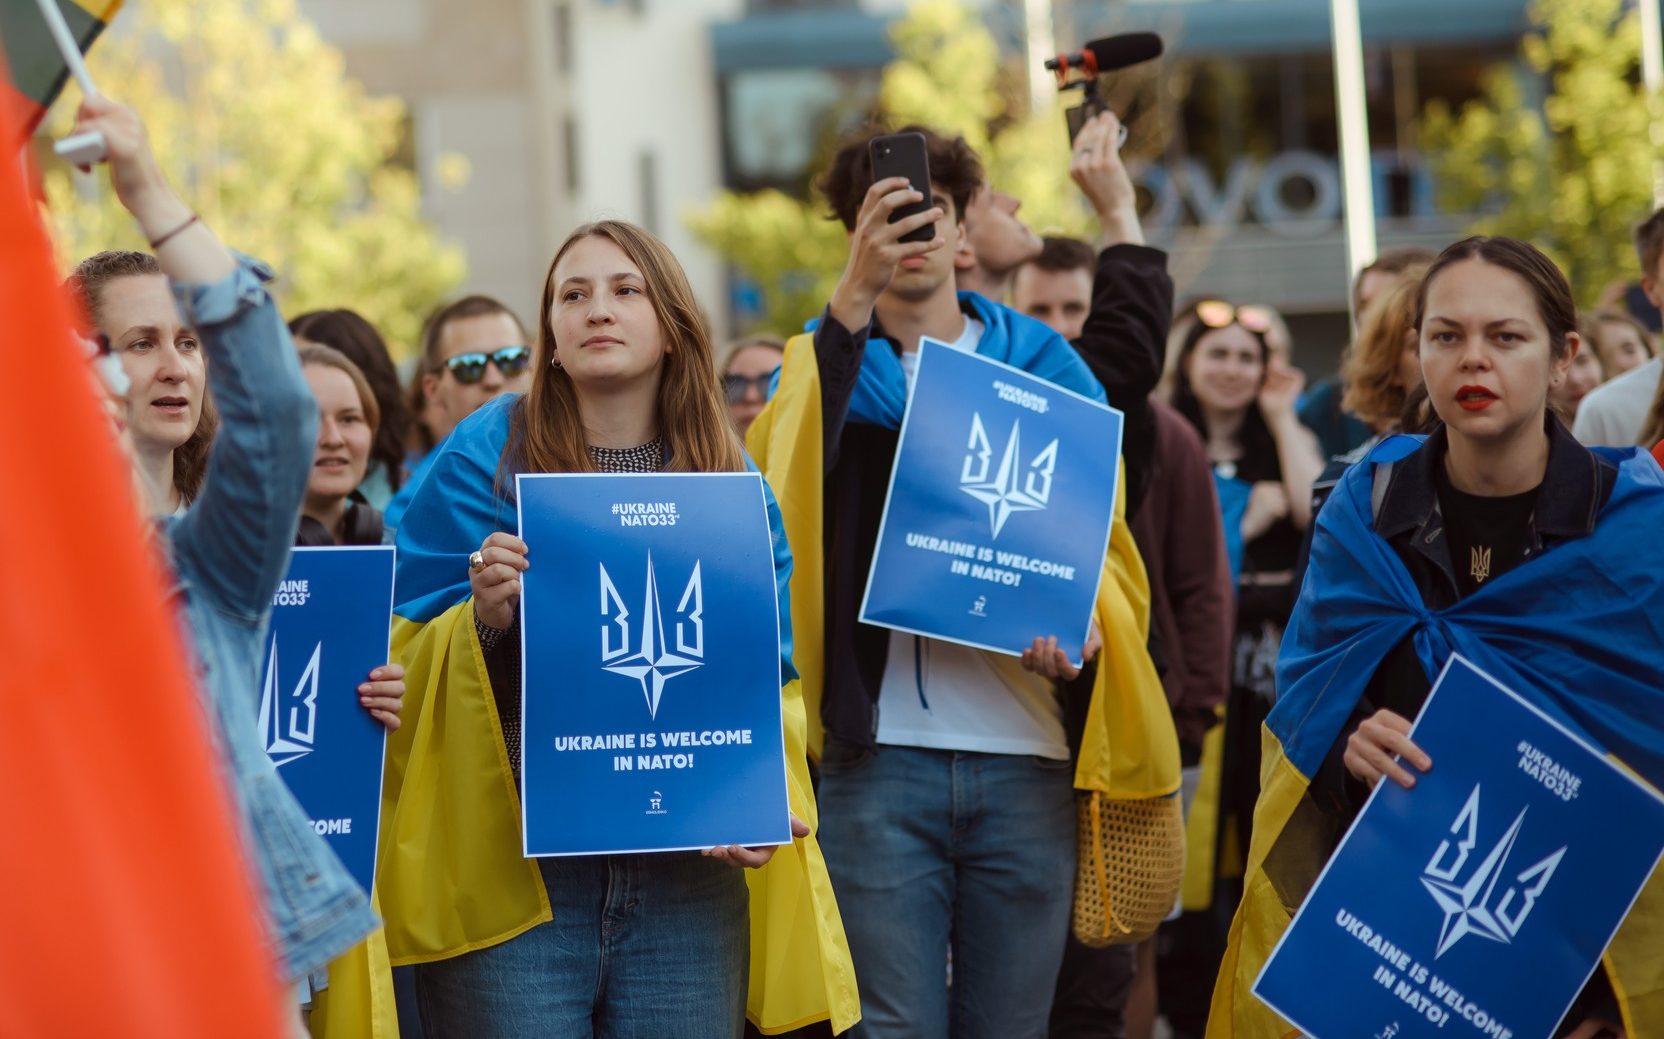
[903, 155]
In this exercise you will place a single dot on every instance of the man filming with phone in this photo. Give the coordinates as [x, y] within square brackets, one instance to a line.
[947, 773]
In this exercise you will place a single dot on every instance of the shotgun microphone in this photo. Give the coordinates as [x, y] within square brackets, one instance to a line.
[1109, 53]
[1099, 56]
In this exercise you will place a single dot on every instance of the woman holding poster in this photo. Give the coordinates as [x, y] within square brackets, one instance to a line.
[1498, 537]
[653, 944]
[1240, 396]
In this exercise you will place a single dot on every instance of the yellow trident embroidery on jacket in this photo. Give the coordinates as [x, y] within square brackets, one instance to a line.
[1481, 565]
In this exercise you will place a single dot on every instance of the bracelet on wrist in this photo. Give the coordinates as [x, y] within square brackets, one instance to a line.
[157, 243]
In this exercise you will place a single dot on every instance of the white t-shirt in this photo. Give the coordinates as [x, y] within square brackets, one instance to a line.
[1612, 415]
[951, 697]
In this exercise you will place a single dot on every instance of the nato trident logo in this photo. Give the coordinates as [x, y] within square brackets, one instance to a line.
[1471, 906]
[288, 717]
[1016, 485]
[648, 656]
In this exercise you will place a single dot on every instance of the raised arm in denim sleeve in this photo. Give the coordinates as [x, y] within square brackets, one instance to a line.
[239, 530]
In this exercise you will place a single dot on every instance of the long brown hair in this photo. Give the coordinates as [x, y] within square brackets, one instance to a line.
[546, 433]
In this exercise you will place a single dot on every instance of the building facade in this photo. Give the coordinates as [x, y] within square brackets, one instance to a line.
[573, 110]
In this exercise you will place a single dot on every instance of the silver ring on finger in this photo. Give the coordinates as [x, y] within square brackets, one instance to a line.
[476, 562]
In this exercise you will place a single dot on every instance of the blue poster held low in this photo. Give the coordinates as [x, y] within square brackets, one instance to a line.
[1477, 904]
[670, 738]
[999, 509]
[330, 622]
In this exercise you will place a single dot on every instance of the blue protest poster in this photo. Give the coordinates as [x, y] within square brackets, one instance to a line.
[999, 508]
[650, 663]
[331, 620]
[1478, 903]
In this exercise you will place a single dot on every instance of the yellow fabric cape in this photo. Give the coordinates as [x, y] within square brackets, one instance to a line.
[359, 1003]
[1129, 749]
[451, 877]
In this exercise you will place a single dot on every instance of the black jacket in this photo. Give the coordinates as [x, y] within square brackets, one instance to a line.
[1575, 487]
[1123, 343]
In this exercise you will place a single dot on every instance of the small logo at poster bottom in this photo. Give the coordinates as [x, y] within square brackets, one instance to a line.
[978, 608]
[655, 804]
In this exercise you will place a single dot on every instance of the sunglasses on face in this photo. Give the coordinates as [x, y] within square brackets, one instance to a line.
[735, 386]
[469, 368]
[1216, 313]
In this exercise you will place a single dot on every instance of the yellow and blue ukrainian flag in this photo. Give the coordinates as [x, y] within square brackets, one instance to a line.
[451, 877]
[1129, 749]
[1579, 632]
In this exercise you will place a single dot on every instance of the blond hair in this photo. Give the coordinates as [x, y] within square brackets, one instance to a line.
[1375, 391]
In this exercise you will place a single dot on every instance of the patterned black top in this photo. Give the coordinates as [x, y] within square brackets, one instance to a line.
[501, 646]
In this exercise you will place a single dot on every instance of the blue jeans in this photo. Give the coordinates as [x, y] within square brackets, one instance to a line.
[641, 947]
[932, 851]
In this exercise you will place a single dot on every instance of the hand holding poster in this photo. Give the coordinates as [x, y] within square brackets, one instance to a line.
[1517, 856]
[999, 508]
[651, 665]
[330, 626]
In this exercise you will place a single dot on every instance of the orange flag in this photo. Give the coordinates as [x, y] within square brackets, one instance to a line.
[126, 906]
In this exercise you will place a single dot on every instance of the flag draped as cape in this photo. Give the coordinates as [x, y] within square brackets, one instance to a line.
[1129, 749]
[1578, 631]
[451, 877]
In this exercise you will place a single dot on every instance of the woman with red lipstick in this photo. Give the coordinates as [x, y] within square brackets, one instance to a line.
[1498, 536]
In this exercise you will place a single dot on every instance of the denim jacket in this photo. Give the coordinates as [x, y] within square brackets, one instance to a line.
[229, 552]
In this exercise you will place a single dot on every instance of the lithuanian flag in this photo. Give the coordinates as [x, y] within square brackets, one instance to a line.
[38, 71]
[128, 907]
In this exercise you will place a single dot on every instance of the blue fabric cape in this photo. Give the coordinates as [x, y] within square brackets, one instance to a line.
[880, 396]
[457, 506]
[396, 506]
[1578, 631]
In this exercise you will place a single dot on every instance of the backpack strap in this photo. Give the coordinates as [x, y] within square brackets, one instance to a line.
[1378, 491]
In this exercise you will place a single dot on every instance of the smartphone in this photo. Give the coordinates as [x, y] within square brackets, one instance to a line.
[903, 155]
[1078, 115]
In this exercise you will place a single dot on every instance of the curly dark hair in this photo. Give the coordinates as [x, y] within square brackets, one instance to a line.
[954, 169]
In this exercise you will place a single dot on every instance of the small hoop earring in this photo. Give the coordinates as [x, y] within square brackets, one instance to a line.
[555, 361]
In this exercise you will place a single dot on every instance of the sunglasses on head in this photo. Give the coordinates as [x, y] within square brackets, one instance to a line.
[469, 368]
[735, 386]
[1216, 313]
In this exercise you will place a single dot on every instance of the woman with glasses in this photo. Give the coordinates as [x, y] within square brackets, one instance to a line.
[750, 364]
[603, 945]
[473, 350]
[1241, 398]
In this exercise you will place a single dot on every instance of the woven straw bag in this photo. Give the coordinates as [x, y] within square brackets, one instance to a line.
[1130, 865]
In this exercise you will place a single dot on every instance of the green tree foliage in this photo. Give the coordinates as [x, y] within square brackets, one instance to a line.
[1571, 171]
[259, 128]
[947, 74]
